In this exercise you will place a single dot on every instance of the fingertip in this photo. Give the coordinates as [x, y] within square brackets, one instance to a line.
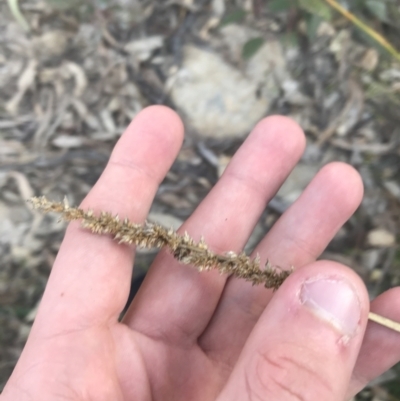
[154, 117]
[277, 142]
[151, 142]
[307, 340]
[285, 129]
[333, 270]
[347, 180]
[338, 299]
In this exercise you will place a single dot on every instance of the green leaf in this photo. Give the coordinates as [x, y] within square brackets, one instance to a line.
[281, 5]
[233, 17]
[312, 26]
[377, 8]
[316, 7]
[251, 47]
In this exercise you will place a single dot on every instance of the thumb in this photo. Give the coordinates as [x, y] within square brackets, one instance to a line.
[305, 344]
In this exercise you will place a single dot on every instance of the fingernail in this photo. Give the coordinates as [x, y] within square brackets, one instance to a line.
[333, 300]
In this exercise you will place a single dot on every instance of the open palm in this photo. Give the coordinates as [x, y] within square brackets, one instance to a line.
[203, 336]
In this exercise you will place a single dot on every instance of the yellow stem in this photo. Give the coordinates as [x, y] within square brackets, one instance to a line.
[365, 28]
[384, 321]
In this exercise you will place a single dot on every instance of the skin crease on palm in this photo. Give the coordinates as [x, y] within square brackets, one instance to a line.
[204, 336]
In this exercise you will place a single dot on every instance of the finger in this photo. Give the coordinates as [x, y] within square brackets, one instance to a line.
[298, 238]
[306, 342]
[182, 300]
[90, 279]
[381, 346]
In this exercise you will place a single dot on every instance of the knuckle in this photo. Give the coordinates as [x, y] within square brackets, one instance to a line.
[290, 372]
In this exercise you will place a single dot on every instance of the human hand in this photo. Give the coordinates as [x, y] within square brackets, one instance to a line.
[203, 336]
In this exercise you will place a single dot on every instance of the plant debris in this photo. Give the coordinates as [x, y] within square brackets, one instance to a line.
[182, 247]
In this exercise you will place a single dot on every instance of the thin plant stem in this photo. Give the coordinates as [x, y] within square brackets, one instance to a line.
[182, 247]
[365, 28]
[384, 321]
[16, 12]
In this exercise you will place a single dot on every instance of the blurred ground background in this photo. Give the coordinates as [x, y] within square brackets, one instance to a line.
[73, 74]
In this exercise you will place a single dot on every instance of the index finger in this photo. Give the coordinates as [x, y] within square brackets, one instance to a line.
[91, 277]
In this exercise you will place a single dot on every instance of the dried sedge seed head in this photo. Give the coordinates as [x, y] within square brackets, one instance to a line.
[183, 247]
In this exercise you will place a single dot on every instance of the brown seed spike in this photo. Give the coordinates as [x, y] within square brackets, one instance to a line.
[182, 248]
